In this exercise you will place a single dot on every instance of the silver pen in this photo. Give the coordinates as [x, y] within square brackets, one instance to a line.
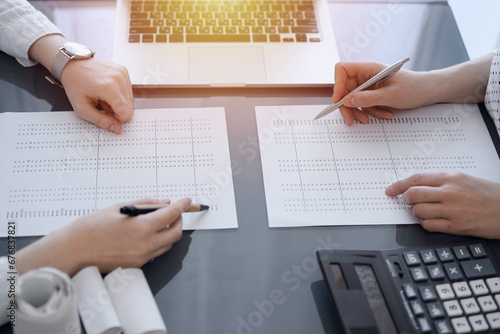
[377, 78]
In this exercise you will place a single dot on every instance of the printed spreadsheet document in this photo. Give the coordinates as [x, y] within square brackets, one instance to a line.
[323, 172]
[55, 167]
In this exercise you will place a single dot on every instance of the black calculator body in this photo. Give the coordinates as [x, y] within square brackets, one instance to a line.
[450, 288]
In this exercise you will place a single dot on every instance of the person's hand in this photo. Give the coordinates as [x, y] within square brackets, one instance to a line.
[107, 239]
[452, 203]
[92, 83]
[89, 84]
[403, 90]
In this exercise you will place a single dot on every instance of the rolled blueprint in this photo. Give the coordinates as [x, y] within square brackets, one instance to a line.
[134, 302]
[46, 303]
[94, 303]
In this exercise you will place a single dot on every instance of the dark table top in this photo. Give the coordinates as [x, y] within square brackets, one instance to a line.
[216, 281]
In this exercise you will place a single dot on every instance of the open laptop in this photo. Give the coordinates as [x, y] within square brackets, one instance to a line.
[225, 43]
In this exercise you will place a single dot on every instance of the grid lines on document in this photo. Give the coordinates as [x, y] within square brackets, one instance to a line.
[326, 167]
[166, 162]
[87, 168]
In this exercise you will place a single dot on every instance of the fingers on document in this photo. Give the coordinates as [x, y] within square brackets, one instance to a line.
[419, 179]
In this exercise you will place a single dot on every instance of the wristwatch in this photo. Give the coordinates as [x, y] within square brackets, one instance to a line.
[69, 51]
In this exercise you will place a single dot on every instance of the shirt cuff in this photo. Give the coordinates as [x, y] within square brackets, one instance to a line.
[27, 31]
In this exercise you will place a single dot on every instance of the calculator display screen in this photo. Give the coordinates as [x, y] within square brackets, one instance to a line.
[375, 299]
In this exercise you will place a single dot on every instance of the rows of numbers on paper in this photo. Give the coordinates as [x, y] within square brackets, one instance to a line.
[71, 168]
[343, 170]
[109, 157]
[324, 168]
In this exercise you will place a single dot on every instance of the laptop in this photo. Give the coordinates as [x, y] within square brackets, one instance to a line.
[225, 43]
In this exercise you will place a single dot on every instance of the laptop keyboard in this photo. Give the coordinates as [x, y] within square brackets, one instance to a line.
[191, 21]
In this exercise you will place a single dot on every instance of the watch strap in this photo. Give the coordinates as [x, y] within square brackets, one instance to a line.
[60, 61]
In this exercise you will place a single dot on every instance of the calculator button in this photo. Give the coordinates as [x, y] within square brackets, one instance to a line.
[435, 310]
[428, 256]
[478, 323]
[487, 304]
[478, 287]
[443, 327]
[469, 305]
[444, 254]
[453, 272]
[477, 251]
[452, 308]
[493, 320]
[445, 291]
[461, 252]
[410, 291]
[435, 272]
[494, 284]
[394, 265]
[461, 325]
[497, 299]
[411, 258]
[417, 307]
[425, 326]
[461, 289]
[427, 293]
[418, 274]
[478, 268]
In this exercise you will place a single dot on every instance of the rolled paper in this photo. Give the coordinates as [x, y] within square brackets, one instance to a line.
[94, 303]
[134, 302]
[46, 303]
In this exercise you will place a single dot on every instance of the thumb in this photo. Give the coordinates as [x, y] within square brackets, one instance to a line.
[102, 120]
[364, 99]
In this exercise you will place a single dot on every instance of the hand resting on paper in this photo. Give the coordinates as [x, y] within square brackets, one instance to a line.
[453, 203]
[90, 83]
[107, 239]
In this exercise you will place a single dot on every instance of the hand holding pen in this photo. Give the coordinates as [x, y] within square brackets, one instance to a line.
[351, 80]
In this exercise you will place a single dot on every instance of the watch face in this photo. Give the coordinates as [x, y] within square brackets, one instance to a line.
[78, 49]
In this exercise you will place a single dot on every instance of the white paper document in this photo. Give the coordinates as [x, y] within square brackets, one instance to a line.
[323, 172]
[55, 167]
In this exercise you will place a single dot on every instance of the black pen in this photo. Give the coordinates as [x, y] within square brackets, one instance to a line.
[140, 209]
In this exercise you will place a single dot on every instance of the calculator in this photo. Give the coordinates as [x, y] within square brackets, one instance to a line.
[446, 288]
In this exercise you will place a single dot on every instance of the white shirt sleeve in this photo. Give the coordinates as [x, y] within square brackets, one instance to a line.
[4, 289]
[20, 26]
[492, 96]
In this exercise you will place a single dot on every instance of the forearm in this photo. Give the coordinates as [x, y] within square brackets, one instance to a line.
[54, 250]
[462, 83]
